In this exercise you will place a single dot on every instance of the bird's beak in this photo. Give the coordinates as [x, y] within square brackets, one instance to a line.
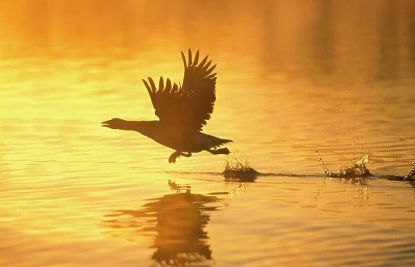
[105, 124]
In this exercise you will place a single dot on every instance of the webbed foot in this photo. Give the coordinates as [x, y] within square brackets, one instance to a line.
[187, 155]
[224, 151]
[176, 154]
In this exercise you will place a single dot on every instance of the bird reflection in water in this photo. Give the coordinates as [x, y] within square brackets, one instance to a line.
[180, 220]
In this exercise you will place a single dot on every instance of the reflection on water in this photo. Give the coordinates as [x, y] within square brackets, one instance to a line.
[359, 185]
[293, 77]
[178, 221]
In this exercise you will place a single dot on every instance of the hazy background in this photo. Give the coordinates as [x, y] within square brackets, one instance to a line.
[293, 77]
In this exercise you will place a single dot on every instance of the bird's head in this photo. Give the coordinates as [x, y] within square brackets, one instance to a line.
[114, 123]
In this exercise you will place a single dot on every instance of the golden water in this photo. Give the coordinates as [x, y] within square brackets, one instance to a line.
[332, 76]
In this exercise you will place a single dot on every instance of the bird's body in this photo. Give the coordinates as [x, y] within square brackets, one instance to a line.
[173, 138]
[182, 111]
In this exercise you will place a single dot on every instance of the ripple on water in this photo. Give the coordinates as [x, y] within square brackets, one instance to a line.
[73, 193]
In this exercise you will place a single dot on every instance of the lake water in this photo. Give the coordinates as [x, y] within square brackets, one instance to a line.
[337, 77]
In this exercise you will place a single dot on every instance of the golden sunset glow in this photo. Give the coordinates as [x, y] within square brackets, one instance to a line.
[293, 78]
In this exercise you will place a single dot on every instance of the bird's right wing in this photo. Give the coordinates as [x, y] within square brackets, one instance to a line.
[199, 85]
[186, 108]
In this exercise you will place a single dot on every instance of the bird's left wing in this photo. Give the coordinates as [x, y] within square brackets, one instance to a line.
[168, 101]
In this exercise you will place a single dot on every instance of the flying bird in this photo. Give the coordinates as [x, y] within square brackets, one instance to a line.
[182, 110]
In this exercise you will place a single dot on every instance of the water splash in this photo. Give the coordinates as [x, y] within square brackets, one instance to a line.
[411, 175]
[239, 170]
[358, 169]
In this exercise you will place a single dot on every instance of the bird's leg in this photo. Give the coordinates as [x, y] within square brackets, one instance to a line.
[174, 156]
[187, 155]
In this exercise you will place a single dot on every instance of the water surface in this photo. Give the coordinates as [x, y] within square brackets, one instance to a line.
[332, 76]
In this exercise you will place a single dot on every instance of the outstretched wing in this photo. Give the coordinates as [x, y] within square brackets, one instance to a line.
[167, 100]
[188, 107]
[199, 85]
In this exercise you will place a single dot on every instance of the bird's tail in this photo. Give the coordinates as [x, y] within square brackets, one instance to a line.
[215, 142]
[212, 144]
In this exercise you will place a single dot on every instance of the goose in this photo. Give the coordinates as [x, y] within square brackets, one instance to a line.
[182, 109]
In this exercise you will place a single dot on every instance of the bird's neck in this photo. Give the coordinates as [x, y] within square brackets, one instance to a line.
[147, 128]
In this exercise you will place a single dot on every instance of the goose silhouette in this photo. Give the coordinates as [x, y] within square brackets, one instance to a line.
[182, 110]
